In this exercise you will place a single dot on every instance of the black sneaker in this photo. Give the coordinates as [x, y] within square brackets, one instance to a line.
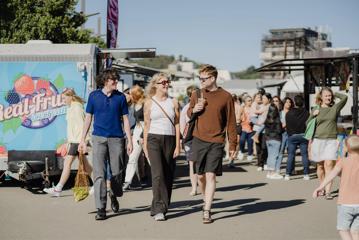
[231, 165]
[115, 206]
[101, 214]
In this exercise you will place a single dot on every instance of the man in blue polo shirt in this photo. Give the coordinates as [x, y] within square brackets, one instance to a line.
[109, 109]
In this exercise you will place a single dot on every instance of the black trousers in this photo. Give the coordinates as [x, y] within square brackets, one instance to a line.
[160, 152]
[262, 153]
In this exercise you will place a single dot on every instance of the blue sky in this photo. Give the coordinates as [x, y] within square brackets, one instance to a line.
[224, 33]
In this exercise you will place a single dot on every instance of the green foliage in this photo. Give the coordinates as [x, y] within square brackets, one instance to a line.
[55, 20]
[159, 62]
[249, 73]
[11, 124]
[59, 81]
[162, 61]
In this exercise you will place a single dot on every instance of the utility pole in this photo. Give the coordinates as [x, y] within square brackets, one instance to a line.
[83, 10]
[99, 26]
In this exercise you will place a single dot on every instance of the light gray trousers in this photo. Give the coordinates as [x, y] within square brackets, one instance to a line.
[103, 149]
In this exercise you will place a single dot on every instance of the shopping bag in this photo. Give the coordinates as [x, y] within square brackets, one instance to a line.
[81, 188]
[310, 130]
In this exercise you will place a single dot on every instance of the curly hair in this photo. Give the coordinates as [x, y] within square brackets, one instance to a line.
[103, 77]
[151, 87]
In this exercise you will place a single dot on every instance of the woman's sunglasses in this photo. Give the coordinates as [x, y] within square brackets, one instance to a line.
[164, 82]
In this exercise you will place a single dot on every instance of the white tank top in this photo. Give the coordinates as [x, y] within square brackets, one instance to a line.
[160, 124]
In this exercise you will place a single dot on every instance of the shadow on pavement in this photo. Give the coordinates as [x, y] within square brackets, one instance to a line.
[238, 187]
[235, 169]
[189, 207]
[254, 208]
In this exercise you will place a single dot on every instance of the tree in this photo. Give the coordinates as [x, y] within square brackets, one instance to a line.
[249, 73]
[55, 20]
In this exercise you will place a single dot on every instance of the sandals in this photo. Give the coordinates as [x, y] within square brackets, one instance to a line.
[329, 196]
[321, 193]
[207, 217]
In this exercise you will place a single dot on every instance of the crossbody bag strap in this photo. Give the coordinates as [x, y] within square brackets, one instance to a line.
[163, 111]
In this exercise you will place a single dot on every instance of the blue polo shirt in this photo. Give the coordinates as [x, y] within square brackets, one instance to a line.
[107, 112]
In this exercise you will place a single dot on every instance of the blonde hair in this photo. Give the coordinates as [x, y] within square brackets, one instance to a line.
[138, 94]
[151, 87]
[318, 98]
[352, 144]
[71, 93]
[209, 69]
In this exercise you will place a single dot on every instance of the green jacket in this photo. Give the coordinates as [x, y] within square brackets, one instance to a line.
[326, 123]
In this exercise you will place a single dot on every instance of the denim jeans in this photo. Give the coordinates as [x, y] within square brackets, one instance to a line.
[246, 136]
[293, 142]
[273, 147]
[283, 146]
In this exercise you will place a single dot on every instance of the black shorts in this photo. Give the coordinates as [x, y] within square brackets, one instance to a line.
[207, 157]
[73, 149]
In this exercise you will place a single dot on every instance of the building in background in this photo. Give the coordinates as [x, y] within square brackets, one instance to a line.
[291, 43]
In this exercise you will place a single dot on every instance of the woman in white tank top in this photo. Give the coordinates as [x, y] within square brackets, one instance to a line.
[161, 142]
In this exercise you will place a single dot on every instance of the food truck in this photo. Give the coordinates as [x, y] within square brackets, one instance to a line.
[32, 109]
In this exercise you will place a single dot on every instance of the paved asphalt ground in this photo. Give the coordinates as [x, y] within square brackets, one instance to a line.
[246, 206]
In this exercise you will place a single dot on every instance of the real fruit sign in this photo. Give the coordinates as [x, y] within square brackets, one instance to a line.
[32, 109]
[35, 101]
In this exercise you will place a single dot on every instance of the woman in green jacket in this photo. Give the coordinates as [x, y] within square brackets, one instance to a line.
[324, 146]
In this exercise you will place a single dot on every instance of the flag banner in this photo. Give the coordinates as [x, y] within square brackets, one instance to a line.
[112, 23]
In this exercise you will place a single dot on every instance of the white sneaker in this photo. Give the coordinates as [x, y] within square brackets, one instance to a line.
[240, 156]
[250, 158]
[265, 167]
[53, 191]
[269, 176]
[306, 177]
[276, 176]
[159, 217]
[286, 177]
[92, 190]
[259, 169]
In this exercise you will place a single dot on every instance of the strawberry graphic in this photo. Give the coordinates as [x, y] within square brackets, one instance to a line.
[24, 85]
[43, 86]
[2, 149]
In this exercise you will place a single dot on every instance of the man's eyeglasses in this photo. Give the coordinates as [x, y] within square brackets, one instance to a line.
[164, 82]
[204, 79]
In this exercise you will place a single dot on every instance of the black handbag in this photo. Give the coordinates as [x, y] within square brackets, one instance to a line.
[188, 131]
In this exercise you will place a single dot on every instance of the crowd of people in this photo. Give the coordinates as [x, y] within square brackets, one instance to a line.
[147, 125]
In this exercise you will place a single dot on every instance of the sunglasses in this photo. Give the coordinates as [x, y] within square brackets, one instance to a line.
[164, 82]
[204, 79]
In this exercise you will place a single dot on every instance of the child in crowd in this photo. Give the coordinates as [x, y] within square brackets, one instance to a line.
[348, 201]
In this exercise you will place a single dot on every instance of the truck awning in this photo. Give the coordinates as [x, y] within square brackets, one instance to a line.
[134, 68]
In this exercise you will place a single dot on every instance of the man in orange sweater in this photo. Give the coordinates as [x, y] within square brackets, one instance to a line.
[216, 119]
